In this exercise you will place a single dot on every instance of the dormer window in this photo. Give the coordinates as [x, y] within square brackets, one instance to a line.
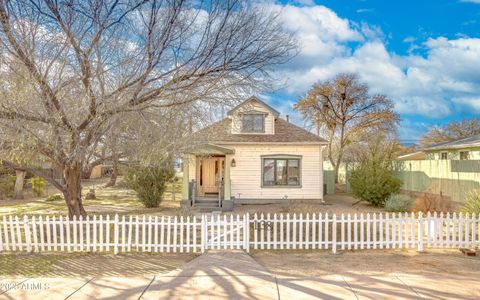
[253, 122]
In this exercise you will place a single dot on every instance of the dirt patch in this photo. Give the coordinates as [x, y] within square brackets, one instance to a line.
[305, 263]
[73, 265]
[338, 203]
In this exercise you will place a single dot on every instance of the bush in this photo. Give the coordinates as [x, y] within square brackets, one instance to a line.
[472, 202]
[428, 201]
[53, 198]
[399, 203]
[373, 181]
[7, 186]
[149, 182]
[38, 185]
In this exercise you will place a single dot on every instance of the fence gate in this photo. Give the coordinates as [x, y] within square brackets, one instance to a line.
[224, 232]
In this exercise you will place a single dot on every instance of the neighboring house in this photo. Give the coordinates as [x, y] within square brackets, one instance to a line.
[253, 156]
[419, 155]
[462, 149]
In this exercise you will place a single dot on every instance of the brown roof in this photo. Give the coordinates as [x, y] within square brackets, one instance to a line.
[285, 132]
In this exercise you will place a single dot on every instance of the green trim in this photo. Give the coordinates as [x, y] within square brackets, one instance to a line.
[280, 157]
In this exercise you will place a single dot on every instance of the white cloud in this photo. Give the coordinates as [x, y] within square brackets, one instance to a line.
[445, 80]
[470, 1]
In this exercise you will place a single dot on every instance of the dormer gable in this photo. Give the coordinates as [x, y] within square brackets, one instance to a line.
[253, 116]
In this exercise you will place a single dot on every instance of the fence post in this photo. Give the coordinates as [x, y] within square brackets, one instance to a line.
[27, 233]
[246, 238]
[334, 234]
[420, 233]
[202, 234]
[115, 236]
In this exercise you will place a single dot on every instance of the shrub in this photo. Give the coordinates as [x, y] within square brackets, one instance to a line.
[7, 186]
[149, 182]
[373, 181]
[38, 185]
[472, 202]
[428, 201]
[399, 203]
[53, 198]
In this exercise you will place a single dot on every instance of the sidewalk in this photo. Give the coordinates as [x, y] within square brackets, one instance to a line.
[236, 275]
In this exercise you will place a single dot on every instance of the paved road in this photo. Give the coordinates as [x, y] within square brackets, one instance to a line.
[235, 275]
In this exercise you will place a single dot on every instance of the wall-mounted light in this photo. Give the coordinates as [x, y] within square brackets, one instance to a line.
[233, 163]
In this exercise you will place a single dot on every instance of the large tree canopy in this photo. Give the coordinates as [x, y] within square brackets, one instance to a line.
[452, 131]
[345, 111]
[72, 69]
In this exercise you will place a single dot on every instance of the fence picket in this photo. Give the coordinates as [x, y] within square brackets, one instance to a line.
[149, 234]
[369, 241]
[288, 232]
[307, 231]
[314, 228]
[362, 232]
[42, 235]
[281, 231]
[374, 233]
[115, 235]
[342, 231]
[349, 232]
[5, 232]
[188, 235]
[294, 233]
[326, 233]
[26, 230]
[355, 231]
[269, 241]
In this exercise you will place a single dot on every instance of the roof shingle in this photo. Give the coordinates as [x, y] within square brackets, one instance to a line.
[285, 132]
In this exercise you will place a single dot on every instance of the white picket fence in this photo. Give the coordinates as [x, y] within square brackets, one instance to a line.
[155, 234]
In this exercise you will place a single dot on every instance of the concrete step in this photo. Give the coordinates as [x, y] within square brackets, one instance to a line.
[206, 205]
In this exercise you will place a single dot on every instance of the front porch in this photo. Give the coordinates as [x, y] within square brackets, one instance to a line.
[206, 178]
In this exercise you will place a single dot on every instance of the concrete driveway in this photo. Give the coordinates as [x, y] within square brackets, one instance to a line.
[235, 275]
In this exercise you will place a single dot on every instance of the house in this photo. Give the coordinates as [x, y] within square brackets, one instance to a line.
[253, 157]
[461, 149]
[419, 155]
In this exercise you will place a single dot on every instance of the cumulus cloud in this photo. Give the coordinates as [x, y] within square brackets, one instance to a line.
[442, 81]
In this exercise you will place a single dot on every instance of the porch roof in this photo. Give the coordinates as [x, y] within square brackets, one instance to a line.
[209, 149]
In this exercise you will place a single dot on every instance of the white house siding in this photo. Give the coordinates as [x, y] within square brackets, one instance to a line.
[246, 181]
[453, 154]
[237, 120]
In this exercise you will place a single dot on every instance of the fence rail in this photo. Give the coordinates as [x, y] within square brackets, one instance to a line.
[271, 231]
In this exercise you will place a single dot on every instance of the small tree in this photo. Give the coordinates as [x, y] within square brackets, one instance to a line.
[373, 179]
[149, 182]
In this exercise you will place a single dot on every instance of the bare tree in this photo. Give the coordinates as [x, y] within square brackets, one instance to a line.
[450, 132]
[68, 68]
[344, 110]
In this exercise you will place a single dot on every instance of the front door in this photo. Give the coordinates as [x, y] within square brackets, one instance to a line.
[210, 174]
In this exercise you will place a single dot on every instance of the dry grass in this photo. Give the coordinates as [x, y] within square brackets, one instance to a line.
[112, 200]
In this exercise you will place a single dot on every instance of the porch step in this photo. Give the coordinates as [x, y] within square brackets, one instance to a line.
[206, 204]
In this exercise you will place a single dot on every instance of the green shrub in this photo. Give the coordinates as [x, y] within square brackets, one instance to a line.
[38, 185]
[399, 203]
[149, 182]
[373, 181]
[53, 198]
[7, 186]
[472, 202]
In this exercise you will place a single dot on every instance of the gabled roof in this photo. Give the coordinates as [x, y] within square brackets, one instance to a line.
[253, 98]
[468, 142]
[285, 133]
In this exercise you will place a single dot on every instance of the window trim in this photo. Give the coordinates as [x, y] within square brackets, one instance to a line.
[443, 152]
[467, 156]
[263, 115]
[281, 157]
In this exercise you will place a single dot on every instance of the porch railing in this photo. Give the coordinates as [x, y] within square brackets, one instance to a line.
[192, 186]
[221, 191]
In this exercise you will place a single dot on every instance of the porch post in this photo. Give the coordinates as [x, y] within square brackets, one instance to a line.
[227, 197]
[185, 169]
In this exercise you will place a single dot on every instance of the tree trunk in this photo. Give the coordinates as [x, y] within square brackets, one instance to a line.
[19, 181]
[73, 190]
[113, 177]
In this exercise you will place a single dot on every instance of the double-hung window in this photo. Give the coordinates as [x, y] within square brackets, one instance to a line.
[253, 122]
[281, 171]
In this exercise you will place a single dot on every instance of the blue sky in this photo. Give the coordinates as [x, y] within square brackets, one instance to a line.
[424, 55]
